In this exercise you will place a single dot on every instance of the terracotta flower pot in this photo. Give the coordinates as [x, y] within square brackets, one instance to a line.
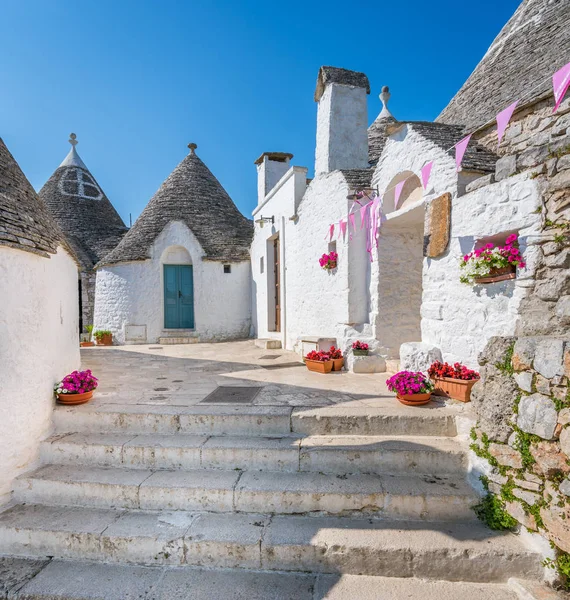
[357, 352]
[318, 366]
[338, 363]
[86, 344]
[414, 399]
[495, 274]
[75, 398]
[105, 340]
[458, 389]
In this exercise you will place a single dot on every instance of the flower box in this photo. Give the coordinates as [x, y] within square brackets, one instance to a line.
[76, 388]
[360, 352]
[72, 399]
[319, 366]
[86, 344]
[457, 389]
[338, 364]
[497, 274]
[412, 388]
[104, 339]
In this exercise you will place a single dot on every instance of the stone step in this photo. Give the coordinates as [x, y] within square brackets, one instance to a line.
[30, 579]
[268, 343]
[389, 419]
[453, 552]
[327, 454]
[417, 497]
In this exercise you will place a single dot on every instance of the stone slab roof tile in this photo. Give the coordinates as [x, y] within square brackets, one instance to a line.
[342, 77]
[358, 178]
[25, 222]
[193, 195]
[518, 65]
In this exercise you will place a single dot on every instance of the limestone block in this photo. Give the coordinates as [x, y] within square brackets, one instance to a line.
[537, 415]
[365, 364]
[559, 260]
[418, 356]
[563, 310]
[563, 163]
[516, 510]
[565, 441]
[564, 487]
[529, 485]
[532, 157]
[493, 400]
[532, 478]
[524, 380]
[437, 226]
[523, 354]
[505, 167]
[560, 181]
[566, 360]
[548, 357]
[557, 523]
[480, 182]
[542, 385]
[506, 455]
[564, 416]
[529, 497]
[549, 459]
[497, 478]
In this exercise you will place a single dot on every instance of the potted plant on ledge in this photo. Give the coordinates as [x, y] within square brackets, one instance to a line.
[76, 388]
[86, 342]
[337, 358]
[329, 261]
[412, 388]
[453, 381]
[491, 263]
[320, 362]
[360, 348]
[104, 337]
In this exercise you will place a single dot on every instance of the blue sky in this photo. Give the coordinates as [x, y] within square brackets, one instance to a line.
[138, 81]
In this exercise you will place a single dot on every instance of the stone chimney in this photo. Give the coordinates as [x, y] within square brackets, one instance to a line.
[271, 166]
[342, 120]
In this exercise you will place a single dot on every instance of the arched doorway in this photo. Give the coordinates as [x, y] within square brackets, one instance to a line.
[400, 266]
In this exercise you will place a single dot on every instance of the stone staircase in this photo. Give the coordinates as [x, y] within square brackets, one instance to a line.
[283, 504]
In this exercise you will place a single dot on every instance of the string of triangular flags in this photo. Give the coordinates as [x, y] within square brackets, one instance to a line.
[371, 213]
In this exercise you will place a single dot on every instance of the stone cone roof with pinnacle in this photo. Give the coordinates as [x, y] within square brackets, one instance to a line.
[25, 221]
[518, 65]
[193, 195]
[82, 210]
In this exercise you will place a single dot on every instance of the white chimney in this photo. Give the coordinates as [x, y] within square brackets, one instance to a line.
[342, 120]
[271, 166]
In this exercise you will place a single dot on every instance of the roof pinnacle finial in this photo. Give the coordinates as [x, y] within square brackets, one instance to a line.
[384, 98]
[192, 147]
[73, 140]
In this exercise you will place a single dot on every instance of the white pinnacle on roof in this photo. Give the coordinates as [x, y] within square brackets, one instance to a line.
[72, 159]
[384, 97]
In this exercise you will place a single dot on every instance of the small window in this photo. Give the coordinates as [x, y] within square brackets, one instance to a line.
[332, 247]
[227, 268]
[261, 266]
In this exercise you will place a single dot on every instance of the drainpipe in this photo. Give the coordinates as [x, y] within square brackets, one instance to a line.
[283, 286]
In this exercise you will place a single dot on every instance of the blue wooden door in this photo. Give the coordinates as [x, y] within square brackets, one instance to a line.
[178, 297]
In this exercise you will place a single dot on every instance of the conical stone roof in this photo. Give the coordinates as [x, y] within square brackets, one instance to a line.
[519, 64]
[193, 195]
[82, 210]
[25, 222]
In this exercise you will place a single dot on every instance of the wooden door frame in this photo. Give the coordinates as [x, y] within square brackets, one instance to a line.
[277, 282]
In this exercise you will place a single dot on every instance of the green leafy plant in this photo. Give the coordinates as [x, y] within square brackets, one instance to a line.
[562, 565]
[506, 365]
[491, 510]
[101, 332]
[522, 443]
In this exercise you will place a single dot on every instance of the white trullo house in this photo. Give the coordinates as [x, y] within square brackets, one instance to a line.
[87, 218]
[405, 294]
[182, 272]
[38, 319]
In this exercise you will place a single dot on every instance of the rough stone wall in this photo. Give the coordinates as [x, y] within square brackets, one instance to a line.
[523, 399]
[40, 345]
[87, 297]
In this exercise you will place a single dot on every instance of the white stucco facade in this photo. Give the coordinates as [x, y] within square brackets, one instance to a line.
[39, 330]
[132, 293]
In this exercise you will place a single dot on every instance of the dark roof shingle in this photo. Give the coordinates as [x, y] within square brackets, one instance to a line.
[193, 195]
[25, 222]
[341, 76]
[533, 44]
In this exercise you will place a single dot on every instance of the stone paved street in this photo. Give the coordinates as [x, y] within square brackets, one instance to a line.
[183, 375]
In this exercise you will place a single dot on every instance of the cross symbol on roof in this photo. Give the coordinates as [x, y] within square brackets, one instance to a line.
[73, 139]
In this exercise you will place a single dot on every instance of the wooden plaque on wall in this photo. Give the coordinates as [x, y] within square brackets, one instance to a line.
[437, 226]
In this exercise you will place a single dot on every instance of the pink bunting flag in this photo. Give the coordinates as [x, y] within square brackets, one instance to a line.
[351, 220]
[460, 148]
[560, 84]
[364, 215]
[342, 225]
[331, 232]
[426, 172]
[397, 192]
[503, 119]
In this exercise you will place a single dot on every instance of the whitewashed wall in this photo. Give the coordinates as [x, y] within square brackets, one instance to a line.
[457, 318]
[39, 333]
[132, 293]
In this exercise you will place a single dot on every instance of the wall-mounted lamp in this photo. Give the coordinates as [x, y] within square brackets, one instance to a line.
[263, 220]
[359, 193]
